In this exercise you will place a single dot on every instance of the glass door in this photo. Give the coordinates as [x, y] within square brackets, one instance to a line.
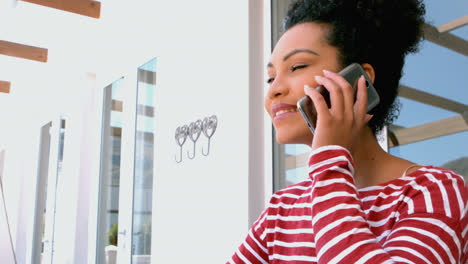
[126, 176]
[49, 176]
[41, 194]
[109, 182]
[143, 168]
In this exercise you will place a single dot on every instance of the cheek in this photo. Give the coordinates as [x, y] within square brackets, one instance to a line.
[309, 79]
[267, 105]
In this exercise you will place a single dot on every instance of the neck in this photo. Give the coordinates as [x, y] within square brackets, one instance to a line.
[373, 165]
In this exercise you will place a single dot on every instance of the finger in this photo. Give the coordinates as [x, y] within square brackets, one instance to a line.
[346, 88]
[317, 99]
[336, 94]
[360, 107]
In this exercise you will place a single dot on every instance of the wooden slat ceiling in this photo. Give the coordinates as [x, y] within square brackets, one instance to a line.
[401, 135]
[88, 8]
[82, 7]
[5, 87]
[446, 40]
[433, 100]
[430, 130]
[452, 25]
[23, 51]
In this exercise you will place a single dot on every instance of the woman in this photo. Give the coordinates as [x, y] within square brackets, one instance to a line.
[360, 204]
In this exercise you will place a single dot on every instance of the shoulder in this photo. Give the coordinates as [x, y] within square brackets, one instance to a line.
[429, 175]
[437, 190]
[299, 192]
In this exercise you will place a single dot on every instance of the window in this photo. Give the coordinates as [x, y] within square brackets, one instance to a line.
[432, 128]
[143, 169]
[109, 182]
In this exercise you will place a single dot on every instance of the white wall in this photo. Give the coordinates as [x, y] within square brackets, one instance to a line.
[201, 206]
[210, 61]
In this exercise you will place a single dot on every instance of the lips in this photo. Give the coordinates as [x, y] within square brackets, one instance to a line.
[283, 110]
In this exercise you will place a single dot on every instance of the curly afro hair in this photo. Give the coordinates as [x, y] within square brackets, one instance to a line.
[378, 32]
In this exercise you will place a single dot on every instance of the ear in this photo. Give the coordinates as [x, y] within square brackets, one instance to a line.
[369, 71]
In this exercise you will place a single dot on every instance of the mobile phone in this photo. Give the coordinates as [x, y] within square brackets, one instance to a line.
[351, 73]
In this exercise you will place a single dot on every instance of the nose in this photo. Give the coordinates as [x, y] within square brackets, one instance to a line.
[278, 88]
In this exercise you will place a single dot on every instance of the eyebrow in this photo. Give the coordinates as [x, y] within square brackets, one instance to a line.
[287, 56]
[299, 51]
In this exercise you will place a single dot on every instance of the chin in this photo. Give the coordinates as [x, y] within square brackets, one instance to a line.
[305, 137]
[282, 140]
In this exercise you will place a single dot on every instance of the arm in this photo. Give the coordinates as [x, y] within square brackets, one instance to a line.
[343, 235]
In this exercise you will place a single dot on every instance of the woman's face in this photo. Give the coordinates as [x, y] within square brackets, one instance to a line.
[300, 54]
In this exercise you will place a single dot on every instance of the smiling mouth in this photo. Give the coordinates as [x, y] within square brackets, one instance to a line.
[285, 111]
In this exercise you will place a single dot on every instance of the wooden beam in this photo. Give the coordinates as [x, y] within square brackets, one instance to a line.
[292, 162]
[145, 110]
[141, 110]
[146, 76]
[430, 99]
[445, 39]
[87, 8]
[430, 130]
[117, 105]
[452, 25]
[5, 87]
[23, 51]
[394, 127]
[403, 135]
[146, 136]
[116, 131]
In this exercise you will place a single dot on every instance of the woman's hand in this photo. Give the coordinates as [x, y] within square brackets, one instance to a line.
[343, 123]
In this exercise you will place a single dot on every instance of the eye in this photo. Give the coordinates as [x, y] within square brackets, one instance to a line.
[297, 67]
[270, 80]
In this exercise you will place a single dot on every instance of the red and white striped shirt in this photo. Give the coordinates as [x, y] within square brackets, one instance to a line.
[418, 218]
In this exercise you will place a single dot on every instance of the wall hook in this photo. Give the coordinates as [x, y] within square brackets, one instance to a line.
[180, 137]
[209, 127]
[194, 131]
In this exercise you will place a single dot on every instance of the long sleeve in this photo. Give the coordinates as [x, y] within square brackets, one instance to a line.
[421, 230]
